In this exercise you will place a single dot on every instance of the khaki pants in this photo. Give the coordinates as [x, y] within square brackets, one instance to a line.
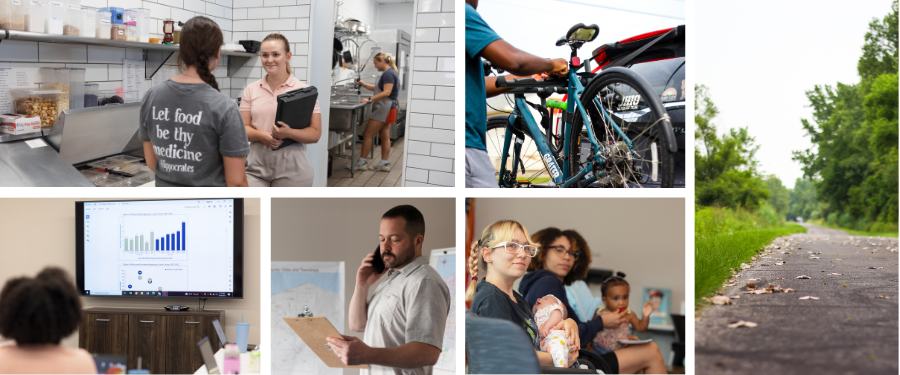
[288, 166]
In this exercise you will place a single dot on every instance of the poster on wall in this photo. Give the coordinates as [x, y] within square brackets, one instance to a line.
[660, 298]
[444, 261]
[296, 287]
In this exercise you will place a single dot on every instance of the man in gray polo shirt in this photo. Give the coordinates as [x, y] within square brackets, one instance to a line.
[404, 319]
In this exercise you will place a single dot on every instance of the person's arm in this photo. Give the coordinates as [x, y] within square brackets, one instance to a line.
[384, 93]
[555, 318]
[310, 134]
[503, 55]
[353, 351]
[641, 324]
[235, 175]
[365, 277]
[150, 156]
[254, 135]
[367, 86]
[490, 84]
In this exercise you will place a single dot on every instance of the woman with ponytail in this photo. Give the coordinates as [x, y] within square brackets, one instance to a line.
[504, 252]
[38, 313]
[384, 111]
[192, 133]
[268, 165]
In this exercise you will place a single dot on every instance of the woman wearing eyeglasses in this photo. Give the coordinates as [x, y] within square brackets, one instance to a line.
[564, 258]
[504, 253]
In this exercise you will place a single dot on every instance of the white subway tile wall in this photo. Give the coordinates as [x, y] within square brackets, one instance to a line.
[430, 129]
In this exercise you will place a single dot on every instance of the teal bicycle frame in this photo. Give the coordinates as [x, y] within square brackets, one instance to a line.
[575, 89]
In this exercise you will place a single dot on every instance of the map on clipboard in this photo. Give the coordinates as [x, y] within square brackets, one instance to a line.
[313, 332]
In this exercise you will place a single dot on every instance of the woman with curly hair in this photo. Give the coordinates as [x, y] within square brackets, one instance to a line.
[564, 258]
[38, 313]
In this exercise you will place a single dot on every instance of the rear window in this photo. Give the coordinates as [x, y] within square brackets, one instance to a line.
[666, 77]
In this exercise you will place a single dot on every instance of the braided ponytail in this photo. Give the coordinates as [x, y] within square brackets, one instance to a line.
[200, 41]
[499, 231]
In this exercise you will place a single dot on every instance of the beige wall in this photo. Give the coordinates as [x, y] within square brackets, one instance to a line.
[40, 232]
[644, 238]
[344, 229]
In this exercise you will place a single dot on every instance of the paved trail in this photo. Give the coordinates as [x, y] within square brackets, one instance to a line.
[848, 330]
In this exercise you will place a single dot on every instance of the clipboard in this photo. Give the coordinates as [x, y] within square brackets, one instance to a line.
[313, 332]
[295, 108]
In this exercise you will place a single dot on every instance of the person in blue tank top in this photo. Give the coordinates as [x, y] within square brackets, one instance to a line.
[483, 42]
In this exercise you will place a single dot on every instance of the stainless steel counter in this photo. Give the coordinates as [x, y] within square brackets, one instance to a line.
[24, 166]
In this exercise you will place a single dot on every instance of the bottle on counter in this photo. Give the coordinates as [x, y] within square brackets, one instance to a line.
[13, 13]
[104, 23]
[168, 30]
[36, 18]
[56, 16]
[232, 362]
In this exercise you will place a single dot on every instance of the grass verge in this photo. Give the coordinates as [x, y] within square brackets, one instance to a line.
[716, 255]
[854, 232]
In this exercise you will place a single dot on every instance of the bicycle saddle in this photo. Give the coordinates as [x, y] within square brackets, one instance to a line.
[582, 33]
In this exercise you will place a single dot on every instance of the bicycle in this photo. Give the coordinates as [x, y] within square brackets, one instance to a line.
[635, 143]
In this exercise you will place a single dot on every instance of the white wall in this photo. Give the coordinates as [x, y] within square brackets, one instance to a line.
[51, 243]
[644, 238]
[394, 16]
[363, 10]
[430, 122]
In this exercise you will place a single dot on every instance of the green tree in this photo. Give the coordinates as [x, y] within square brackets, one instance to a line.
[803, 200]
[779, 195]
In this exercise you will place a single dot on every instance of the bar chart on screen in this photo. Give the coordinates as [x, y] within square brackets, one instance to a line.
[153, 236]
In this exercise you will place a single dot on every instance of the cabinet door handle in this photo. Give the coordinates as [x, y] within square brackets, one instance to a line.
[102, 320]
[191, 322]
[146, 321]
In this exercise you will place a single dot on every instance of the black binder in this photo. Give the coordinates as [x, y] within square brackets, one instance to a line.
[295, 108]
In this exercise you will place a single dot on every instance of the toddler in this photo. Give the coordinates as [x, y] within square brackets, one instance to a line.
[615, 292]
[548, 312]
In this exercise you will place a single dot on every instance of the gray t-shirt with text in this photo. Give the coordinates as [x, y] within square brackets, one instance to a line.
[191, 126]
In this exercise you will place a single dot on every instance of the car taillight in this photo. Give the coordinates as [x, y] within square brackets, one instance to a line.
[601, 58]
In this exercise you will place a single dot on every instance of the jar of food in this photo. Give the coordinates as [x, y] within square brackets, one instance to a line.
[91, 90]
[177, 34]
[12, 14]
[117, 26]
[56, 16]
[89, 15]
[57, 79]
[143, 25]
[131, 33]
[168, 30]
[36, 18]
[74, 18]
[36, 103]
[104, 23]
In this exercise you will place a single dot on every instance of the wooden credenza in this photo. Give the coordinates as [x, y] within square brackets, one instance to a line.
[165, 340]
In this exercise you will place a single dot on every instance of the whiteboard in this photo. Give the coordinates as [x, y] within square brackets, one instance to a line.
[444, 261]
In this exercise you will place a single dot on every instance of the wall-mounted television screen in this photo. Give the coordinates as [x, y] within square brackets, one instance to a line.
[160, 248]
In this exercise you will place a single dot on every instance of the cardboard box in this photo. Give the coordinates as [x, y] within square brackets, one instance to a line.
[19, 124]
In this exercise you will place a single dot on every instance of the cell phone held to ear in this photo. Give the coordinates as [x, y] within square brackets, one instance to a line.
[378, 261]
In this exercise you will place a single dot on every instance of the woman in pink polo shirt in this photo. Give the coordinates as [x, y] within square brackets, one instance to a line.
[266, 166]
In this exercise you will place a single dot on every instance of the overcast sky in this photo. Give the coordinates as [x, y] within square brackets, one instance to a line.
[758, 59]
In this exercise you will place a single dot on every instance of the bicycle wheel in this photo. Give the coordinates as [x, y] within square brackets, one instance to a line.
[635, 108]
[535, 173]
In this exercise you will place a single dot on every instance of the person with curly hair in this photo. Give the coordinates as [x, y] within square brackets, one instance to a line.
[564, 258]
[37, 313]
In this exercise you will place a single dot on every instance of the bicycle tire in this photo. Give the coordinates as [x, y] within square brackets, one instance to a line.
[536, 171]
[644, 121]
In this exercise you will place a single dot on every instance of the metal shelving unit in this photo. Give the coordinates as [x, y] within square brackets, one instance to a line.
[154, 54]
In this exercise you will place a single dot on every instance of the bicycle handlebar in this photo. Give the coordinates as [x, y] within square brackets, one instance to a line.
[531, 82]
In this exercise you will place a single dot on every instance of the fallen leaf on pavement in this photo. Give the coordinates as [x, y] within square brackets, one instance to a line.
[834, 273]
[802, 277]
[751, 286]
[779, 263]
[744, 266]
[809, 297]
[883, 296]
[720, 300]
[788, 290]
[875, 268]
[742, 323]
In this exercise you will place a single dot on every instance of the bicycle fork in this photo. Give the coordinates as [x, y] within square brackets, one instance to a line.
[540, 141]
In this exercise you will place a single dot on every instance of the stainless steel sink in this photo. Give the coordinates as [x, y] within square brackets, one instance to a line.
[342, 109]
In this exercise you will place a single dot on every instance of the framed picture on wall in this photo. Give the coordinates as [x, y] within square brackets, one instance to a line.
[660, 298]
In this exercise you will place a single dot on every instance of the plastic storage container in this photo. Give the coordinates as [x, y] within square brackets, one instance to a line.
[12, 14]
[74, 20]
[91, 91]
[104, 24]
[37, 103]
[130, 17]
[89, 15]
[143, 25]
[56, 16]
[76, 88]
[57, 79]
[131, 33]
[117, 22]
[36, 18]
